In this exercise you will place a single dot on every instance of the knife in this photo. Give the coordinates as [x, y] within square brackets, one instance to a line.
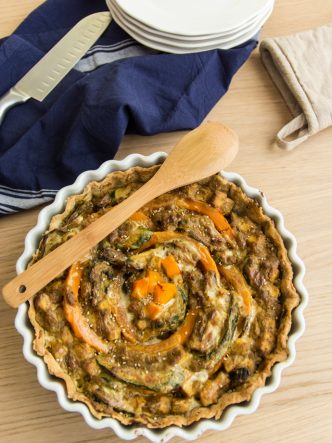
[55, 65]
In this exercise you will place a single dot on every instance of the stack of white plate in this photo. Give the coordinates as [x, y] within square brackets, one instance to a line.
[181, 26]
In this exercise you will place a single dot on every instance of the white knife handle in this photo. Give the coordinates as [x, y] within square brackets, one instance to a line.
[10, 99]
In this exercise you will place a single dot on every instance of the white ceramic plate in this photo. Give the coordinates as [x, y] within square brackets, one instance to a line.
[131, 432]
[170, 40]
[171, 47]
[187, 17]
[189, 38]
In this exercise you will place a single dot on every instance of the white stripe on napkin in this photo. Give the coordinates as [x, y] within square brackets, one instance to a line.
[113, 47]
[23, 192]
[111, 54]
[14, 200]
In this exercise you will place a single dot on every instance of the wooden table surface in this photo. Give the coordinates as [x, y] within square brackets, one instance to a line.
[299, 183]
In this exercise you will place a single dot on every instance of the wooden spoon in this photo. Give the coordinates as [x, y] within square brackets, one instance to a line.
[199, 154]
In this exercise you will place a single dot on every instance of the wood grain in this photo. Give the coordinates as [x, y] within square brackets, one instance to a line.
[298, 183]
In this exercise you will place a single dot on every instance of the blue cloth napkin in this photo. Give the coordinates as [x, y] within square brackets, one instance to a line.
[118, 87]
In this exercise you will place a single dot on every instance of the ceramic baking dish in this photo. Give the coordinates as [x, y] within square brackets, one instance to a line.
[129, 433]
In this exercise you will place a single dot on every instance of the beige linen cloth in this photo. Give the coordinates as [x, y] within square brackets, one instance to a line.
[301, 67]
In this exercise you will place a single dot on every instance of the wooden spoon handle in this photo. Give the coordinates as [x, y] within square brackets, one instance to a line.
[199, 154]
[29, 282]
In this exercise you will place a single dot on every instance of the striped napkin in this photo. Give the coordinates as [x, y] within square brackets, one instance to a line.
[118, 87]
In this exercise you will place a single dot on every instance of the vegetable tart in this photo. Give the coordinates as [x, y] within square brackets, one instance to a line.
[180, 312]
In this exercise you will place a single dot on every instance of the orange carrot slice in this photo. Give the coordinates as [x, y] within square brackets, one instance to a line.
[164, 292]
[73, 312]
[140, 288]
[170, 266]
[180, 336]
[153, 310]
[207, 261]
[154, 277]
[233, 275]
[215, 214]
[164, 236]
[140, 217]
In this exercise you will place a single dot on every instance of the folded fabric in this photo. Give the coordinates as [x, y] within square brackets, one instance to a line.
[118, 87]
[301, 65]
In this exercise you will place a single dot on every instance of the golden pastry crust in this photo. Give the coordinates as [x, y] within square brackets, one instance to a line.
[180, 312]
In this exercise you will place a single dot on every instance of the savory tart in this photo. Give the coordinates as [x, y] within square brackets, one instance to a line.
[180, 312]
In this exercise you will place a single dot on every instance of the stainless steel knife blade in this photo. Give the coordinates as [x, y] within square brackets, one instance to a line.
[42, 78]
